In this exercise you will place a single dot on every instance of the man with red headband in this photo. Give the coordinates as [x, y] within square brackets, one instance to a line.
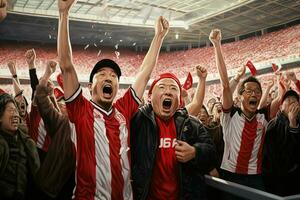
[170, 149]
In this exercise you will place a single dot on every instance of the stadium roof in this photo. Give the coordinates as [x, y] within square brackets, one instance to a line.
[130, 22]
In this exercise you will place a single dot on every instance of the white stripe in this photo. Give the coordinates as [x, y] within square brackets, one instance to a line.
[76, 93]
[103, 168]
[127, 190]
[102, 110]
[137, 99]
[41, 135]
[74, 140]
[232, 140]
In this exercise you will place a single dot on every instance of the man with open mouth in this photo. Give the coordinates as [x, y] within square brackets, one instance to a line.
[171, 150]
[19, 157]
[244, 127]
[102, 125]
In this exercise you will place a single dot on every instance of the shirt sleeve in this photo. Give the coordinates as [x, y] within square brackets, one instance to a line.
[226, 117]
[128, 104]
[77, 106]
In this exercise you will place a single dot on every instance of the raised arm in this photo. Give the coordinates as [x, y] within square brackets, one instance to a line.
[292, 76]
[47, 108]
[3, 7]
[13, 71]
[264, 98]
[236, 79]
[64, 49]
[282, 87]
[215, 38]
[30, 59]
[194, 107]
[150, 60]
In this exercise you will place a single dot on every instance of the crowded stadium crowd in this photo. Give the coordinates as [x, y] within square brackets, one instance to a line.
[66, 140]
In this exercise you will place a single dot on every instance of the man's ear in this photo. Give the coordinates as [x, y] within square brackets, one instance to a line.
[90, 88]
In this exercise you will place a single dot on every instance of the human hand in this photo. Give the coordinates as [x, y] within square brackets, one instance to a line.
[293, 114]
[184, 152]
[64, 6]
[215, 36]
[30, 56]
[12, 67]
[3, 7]
[161, 26]
[201, 72]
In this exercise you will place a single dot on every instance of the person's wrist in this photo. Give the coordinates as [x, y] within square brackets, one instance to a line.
[293, 123]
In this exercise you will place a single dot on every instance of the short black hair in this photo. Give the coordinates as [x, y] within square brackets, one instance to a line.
[105, 63]
[5, 99]
[289, 93]
[247, 80]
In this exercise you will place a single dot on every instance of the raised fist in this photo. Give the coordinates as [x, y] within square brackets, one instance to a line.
[291, 76]
[241, 72]
[3, 12]
[12, 67]
[161, 26]
[30, 57]
[215, 36]
[51, 67]
[65, 5]
[201, 72]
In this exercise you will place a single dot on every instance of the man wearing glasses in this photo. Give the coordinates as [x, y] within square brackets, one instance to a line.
[243, 128]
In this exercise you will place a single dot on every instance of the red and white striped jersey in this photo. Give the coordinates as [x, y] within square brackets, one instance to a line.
[37, 130]
[243, 140]
[102, 144]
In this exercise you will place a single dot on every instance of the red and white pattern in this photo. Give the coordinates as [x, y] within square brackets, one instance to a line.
[102, 144]
[37, 130]
[243, 141]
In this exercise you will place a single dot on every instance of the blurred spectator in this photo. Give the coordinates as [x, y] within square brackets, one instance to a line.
[281, 163]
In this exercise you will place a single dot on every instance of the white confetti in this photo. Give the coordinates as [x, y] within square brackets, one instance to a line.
[95, 44]
[50, 36]
[117, 46]
[117, 54]
[87, 46]
[99, 52]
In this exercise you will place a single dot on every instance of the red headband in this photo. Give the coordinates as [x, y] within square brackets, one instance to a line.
[162, 76]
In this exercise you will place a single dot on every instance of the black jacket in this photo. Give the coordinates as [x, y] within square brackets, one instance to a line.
[281, 147]
[144, 144]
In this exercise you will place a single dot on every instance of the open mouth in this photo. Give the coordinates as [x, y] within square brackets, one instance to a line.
[253, 102]
[15, 121]
[107, 89]
[167, 103]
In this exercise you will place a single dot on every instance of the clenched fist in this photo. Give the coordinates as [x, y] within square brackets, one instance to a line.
[215, 36]
[201, 72]
[64, 6]
[30, 58]
[161, 26]
[12, 67]
[3, 12]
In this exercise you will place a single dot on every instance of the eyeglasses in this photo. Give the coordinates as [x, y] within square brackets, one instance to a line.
[249, 92]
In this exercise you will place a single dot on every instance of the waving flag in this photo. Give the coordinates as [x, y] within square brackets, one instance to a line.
[188, 82]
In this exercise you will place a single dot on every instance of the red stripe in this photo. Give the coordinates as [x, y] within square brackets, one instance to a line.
[259, 156]
[247, 142]
[86, 159]
[113, 135]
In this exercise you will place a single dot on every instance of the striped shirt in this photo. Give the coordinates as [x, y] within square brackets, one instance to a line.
[102, 144]
[243, 139]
